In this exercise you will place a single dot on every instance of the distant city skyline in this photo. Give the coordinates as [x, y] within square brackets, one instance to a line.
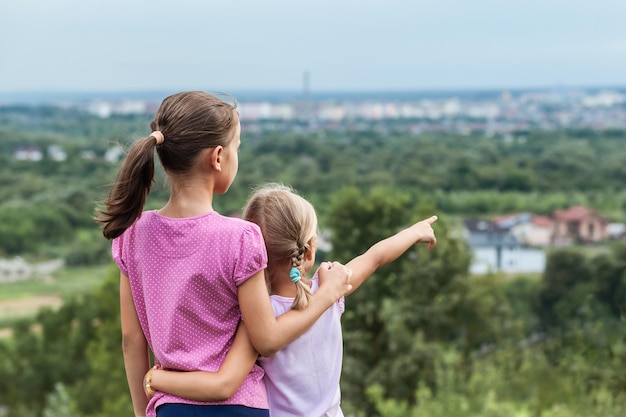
[350, 45]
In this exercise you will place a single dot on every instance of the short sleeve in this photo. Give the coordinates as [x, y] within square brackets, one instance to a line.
[341, 303]
[252, 254]
[117, 249]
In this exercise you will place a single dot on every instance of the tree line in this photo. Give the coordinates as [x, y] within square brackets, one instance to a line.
[49, 204]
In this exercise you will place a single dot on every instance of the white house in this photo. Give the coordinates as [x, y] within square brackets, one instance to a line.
[529, 229]
[14, 270]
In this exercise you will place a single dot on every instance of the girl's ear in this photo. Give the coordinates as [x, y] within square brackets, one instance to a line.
[308, 254]
[215, 157]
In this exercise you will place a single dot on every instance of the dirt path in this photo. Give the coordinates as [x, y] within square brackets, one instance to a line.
[29, 304]
[26, 306]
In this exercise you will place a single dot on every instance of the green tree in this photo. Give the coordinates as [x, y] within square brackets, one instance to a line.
[58, 403]
[17, 232]
[54, 348]
[609, 276]
[567, 291]
[104, 391]
[394, 322]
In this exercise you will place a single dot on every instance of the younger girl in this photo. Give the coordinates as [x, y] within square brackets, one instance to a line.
[190, 275]
[303, 378]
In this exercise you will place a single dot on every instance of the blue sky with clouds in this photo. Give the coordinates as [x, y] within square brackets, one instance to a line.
[348, 45]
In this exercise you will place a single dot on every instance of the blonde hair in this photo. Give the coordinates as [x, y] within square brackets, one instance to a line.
[288, 223]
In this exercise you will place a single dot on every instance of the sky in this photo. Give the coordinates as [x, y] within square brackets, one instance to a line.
[343, 45]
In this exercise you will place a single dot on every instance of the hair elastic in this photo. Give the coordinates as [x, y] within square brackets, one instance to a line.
[158, 136]
[294, 274]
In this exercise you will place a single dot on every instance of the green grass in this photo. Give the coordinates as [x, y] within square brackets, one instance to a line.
[62, 283]
[65, 281]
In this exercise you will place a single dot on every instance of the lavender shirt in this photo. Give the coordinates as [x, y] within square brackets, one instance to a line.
[302, 379]
[184, 275]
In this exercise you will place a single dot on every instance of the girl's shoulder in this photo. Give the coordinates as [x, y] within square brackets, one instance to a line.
[315, 285]
[153, 224]
[212, 218]
[183, 237]
[237, 223]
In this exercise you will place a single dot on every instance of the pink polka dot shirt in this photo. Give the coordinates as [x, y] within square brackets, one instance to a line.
[184, 275]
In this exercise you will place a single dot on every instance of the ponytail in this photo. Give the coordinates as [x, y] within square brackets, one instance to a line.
[303, 296]
[184, 125]
[128, 194]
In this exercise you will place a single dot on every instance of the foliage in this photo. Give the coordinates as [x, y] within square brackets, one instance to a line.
[58, 403]
[66, 346]
[578, 287]
[393, 321]
[495, 389]
[93, 397]
[422, 337]
[48, 202]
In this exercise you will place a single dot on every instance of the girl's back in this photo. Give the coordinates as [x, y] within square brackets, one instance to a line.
[184, 274]
[303, 378]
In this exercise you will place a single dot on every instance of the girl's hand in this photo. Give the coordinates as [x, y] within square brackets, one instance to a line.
[425, 233]
[335, 279]
[147, 381]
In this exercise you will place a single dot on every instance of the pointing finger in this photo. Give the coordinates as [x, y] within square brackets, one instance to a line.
[431, 220]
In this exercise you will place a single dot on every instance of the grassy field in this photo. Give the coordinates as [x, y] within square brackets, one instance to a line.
[25, 298]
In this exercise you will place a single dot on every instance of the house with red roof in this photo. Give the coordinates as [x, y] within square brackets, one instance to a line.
[537, 232]
[578, 224]
[573, 225]
[515, 242]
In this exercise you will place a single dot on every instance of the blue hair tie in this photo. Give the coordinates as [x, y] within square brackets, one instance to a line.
[294, 274]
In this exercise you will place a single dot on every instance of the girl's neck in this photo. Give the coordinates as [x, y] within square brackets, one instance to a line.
[189, 199]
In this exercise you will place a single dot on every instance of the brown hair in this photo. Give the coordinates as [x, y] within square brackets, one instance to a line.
[190, 121]
[288, 223]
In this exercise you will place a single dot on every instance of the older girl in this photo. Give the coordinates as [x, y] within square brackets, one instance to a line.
[188, 274]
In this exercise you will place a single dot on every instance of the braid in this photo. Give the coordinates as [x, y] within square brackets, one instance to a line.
[303, 292]
[297, 256]
[288, 223]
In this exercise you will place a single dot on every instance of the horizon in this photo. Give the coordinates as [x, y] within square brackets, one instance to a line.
[56, 96]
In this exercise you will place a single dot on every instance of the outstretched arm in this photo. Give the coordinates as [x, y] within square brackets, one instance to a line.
[269, 334]
[388, 250]
[203, 385]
